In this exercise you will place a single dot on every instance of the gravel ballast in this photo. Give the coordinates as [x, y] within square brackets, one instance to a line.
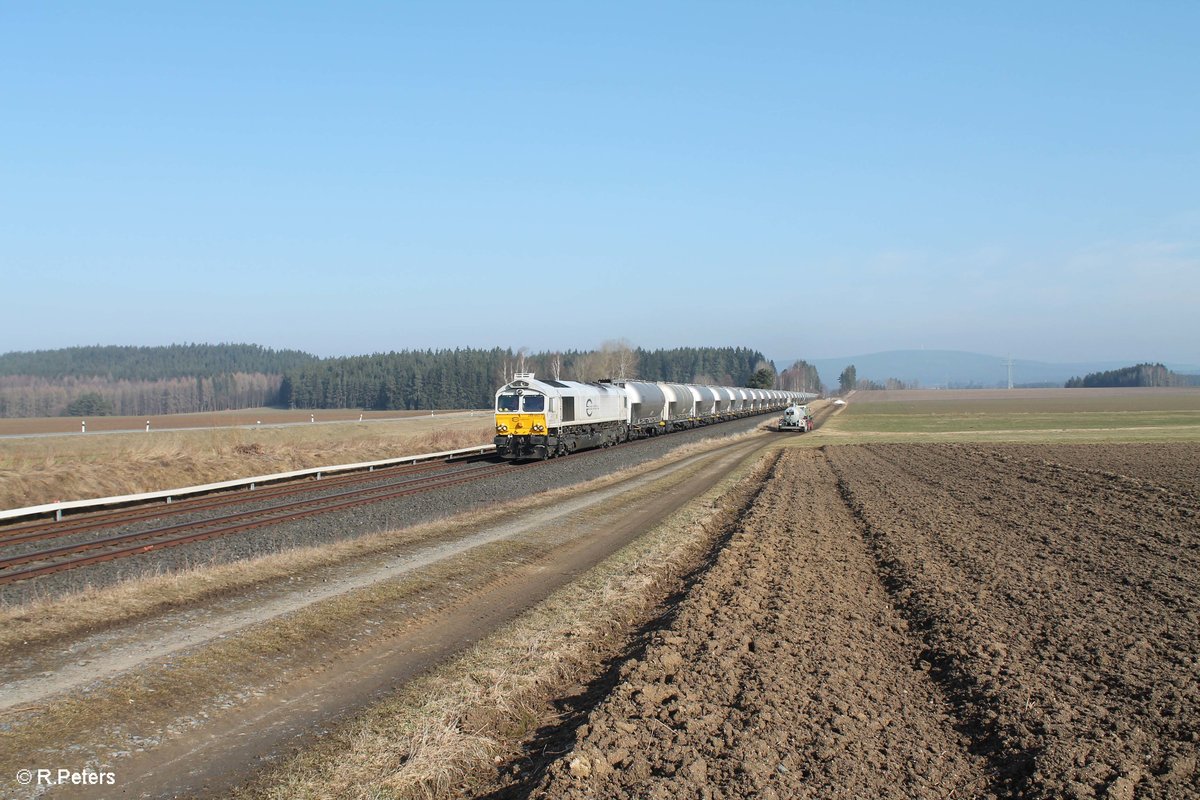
[372, 518]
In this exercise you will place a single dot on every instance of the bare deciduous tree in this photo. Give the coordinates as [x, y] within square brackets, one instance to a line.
[619, 360]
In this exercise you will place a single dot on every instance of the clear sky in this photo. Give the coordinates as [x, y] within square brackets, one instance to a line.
[806, 179]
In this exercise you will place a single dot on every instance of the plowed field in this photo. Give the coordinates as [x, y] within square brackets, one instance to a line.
[927, 621]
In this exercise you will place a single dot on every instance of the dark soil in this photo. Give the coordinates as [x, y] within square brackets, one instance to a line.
[926, 621]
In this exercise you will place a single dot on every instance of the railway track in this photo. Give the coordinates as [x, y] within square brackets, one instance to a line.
[29, 550]
[84, 523]
[32, 563]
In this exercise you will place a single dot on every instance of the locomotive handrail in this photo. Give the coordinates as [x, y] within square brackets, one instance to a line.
[57, 508]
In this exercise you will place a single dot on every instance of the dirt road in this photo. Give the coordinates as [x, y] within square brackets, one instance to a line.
[924, 621]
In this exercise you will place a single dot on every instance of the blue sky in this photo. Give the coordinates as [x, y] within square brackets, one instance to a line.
[807, 179]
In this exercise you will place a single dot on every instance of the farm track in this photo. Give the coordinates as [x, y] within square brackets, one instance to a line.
[926, 621]
[70, 556]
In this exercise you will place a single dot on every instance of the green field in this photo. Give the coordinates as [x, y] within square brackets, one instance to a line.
[1134, 415]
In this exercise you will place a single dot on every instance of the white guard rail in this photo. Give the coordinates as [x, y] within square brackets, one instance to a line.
[58, 508]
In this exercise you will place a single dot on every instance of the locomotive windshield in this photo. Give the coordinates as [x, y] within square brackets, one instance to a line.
[507, 402]
[535, 402]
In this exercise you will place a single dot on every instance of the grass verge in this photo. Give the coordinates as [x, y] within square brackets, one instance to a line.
[1079, 418]
[35, 471]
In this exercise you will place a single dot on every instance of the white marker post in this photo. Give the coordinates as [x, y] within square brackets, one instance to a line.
[147, 426]
[312, 417]
[83, 426]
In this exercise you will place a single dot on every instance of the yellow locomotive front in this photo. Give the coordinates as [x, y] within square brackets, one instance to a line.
[521, 425]
[520, 414]
[543, 419]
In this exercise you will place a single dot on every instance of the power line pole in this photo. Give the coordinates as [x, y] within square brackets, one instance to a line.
[1009, 364]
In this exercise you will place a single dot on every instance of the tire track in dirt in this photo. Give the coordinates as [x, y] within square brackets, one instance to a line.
[787, 673]
[1061, 615]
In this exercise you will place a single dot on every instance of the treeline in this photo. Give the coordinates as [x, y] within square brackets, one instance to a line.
[849, 380]
[800, 377]
[173, 379]
[723, 366]
[95, 381]
[24, 396]
[410, 379]
[468, 378]
[1138, 375]
[152, 363]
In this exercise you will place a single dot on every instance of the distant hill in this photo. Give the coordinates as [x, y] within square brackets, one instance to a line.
[956, 369]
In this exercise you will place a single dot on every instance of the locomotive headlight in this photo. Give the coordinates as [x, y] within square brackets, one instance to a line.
[502, 428]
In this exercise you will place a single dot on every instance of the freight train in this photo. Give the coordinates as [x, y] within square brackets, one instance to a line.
[539, 419]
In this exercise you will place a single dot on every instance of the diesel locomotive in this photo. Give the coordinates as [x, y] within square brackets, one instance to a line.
[539, 419]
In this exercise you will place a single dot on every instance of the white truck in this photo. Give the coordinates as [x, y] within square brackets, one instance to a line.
[796, 418]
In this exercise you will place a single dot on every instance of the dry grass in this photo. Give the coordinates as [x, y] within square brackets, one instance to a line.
[1030, 400]
[1031, 415]
[44, 470]
[444, 729]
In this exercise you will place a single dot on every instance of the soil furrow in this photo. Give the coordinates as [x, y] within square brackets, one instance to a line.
[787, 673]
[1068, 622]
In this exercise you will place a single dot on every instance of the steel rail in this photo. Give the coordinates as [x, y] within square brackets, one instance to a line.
[315, 504]
[314, 508]
[260, 518]
[59, 506]
[54, 530]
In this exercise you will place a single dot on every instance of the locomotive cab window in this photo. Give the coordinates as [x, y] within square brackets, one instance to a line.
[507, 402]
[534, 402]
